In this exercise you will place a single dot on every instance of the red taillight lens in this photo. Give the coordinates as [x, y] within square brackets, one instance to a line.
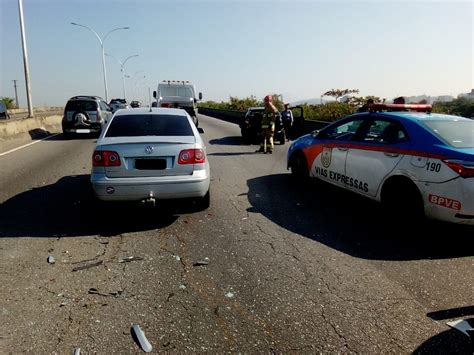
[192, 156]
[464, 168]
[105, 158]
[165, 105]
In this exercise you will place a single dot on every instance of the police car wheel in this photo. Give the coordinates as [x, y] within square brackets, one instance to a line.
[401, 198]
[299, 166]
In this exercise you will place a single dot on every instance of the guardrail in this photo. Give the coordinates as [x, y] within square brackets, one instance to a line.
[308, 126]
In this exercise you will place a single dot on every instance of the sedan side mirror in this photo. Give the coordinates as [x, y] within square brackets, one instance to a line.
[200, 130]
[200, 96]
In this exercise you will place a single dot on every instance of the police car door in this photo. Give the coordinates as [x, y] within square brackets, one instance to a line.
[374, 155]
[332, 147]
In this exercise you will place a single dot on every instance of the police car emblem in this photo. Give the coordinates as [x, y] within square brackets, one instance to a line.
[326, 157]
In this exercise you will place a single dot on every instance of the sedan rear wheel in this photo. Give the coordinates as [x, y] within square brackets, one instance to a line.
[299, 166]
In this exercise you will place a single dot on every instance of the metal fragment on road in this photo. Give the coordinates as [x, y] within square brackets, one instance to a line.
[87, 266]
[130, 258]
[465, 326]
[141, 338]
[51, 260]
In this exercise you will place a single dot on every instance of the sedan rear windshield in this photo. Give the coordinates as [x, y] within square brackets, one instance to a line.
[149, 125]
[81, 105]
[459, 134]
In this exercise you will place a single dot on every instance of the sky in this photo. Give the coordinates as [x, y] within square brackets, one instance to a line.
[299, 49]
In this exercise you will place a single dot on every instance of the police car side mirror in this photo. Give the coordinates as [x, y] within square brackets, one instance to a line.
[315, 133]
[200, 96]
[200, 130]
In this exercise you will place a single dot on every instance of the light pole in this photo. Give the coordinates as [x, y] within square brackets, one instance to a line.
[122, 69]
[25, 60]
[101, 41]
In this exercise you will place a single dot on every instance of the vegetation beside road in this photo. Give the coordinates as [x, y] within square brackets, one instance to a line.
[9, 102]
[333, 110]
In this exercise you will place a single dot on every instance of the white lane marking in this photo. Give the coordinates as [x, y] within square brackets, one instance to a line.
[27, 145]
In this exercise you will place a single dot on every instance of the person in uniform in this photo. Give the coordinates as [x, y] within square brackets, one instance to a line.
[287, 118]
[269, 117]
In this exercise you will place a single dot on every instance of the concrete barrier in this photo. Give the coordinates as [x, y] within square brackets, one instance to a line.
[10, 129]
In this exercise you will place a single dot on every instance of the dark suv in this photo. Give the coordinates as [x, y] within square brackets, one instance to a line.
[85, 114]
[250, 126]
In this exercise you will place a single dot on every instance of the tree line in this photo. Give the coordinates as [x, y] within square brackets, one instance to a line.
[333, 110]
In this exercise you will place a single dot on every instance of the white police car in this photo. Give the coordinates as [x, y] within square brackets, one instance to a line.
[413, 162]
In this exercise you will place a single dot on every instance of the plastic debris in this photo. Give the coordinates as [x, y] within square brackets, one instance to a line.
[464, 326]
[87, 266]
[182, 287]
[229, 294]
[94, 291]
[130, 258]
[77, 351]
[51, 259]
[141, 338]
[177, 257]
[202, 262]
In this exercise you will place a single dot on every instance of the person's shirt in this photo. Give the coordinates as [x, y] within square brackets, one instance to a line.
[287, 116]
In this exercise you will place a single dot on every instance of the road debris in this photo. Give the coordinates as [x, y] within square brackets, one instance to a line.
[465, 326]
[182, 287]
[177, 257]
[229, 294]
[87, 266]
[77, 351]
[51, 259]
[202, 262]
[94, 291]
[141, 339]
[130, 258]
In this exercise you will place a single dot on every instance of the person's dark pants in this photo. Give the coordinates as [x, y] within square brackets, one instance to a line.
[287, 126]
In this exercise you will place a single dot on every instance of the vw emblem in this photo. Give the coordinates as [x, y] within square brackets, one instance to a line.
[149, 149]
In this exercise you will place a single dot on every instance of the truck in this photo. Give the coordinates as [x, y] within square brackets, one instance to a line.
[178, 94]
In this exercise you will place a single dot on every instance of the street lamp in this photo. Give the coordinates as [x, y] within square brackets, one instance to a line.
[122, 65]
[101, 41]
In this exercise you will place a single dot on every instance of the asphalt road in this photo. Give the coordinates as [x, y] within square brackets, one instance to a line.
[290, 266]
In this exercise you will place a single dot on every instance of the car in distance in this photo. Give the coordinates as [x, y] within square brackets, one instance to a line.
[250, 126]
[118, 104]
[135, 104]
[415, 163]
[151, 154]
[4, 112]
[85, 114]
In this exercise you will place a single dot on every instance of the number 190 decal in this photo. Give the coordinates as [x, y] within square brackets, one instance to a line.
[434, 167]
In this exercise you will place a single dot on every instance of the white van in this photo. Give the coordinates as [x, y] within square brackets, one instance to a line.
[178, 94]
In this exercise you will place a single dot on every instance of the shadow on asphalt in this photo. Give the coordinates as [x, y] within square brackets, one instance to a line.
[234, 140]
[351, 223]
[448, 342]
[229, 154]
[67, 208]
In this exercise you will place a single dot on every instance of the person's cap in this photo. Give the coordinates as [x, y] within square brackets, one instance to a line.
[268, 98]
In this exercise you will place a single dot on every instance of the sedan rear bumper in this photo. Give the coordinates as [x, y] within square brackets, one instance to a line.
[161, 188]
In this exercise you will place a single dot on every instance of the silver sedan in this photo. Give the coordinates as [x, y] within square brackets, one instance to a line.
[148, 155]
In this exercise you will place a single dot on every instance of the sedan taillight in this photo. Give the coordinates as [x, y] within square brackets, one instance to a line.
[192, 156]
[464, 168]
[105, 158]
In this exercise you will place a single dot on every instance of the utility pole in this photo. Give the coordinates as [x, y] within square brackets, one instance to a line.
[16, 94]
[25, 60]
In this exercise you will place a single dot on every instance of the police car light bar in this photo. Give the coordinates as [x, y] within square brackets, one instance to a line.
[400, 107]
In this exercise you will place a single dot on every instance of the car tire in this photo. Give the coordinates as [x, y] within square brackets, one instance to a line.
[67, 135]
[203, 203]
[402, 199]
[299, 166]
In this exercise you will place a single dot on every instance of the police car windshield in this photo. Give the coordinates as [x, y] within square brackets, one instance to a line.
[459, 134]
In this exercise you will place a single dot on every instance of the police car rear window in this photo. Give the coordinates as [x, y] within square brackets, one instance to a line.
[149, 125]
[459, 134]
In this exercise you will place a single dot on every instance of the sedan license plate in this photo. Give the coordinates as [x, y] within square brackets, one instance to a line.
[150, 164]
[83, 131]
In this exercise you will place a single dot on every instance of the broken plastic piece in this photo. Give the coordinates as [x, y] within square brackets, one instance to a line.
[201, 262]
[140, 337]
[465, 326]
[229, 294]
[130, 258]
[51, 260]
[77, 351]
